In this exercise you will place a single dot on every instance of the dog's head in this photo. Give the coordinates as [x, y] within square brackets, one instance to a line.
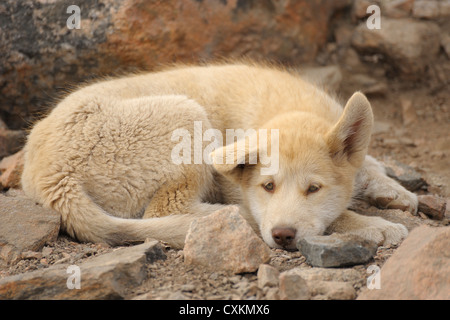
[312, 184]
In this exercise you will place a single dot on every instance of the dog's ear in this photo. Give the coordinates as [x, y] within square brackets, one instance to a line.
[231, 160]
[349, 138]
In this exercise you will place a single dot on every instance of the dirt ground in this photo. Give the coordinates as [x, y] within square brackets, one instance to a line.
[419, 138]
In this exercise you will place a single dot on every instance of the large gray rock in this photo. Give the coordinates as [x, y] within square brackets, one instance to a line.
[336, 250]
[224, 240]
[408, 45]
[404, 174]
[103, 277]
[24, 226]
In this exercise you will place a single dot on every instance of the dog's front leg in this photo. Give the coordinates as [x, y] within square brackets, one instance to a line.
[375, 229]
[372, 184]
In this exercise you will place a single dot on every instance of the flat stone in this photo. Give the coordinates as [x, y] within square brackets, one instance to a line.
[329, 283]
[224, 240]
[293, 287]
[103, 277]
[332, 290]
[326, 274]
[267, 276]
[336, 250]
[25, 226]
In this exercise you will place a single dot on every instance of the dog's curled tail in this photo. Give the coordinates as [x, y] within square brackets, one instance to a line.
[85, 221]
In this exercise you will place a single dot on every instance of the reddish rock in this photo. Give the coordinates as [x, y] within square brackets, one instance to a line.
[418, 270]
[433, 207]
[224, 240]
[42, 54]
[11, 170]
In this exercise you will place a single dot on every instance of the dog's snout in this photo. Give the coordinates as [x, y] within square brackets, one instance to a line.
[283, 236]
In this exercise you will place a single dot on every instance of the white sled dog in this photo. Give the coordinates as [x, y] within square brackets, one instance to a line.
[103, 158]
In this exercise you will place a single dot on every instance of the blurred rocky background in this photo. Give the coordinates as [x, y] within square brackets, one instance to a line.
[40, 57]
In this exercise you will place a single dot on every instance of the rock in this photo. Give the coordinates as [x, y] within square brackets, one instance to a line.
[293, 287]
[3, 125]
[351, 59]
[39, 53]
[408, 45]
[328, 77]
[409, 114]
[31, 255]
[332, 290]
[418, 270]
[336, 250]
[25, 226]
[267, 276]
[11, 141]
[103, 277]
[433, 207]
[271, 293]
[405, 175]
[11, 170]
[329, 284]
[224, 240]
[359, 8]
[368, 85]
[381, 127]
[325, 274]
[445, 43]
[398, 8]
[429, 9]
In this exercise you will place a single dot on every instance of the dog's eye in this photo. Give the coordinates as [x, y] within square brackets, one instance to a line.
[313, 188]
[269, 186]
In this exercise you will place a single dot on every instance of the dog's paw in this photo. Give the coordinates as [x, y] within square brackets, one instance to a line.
[383, 232]
[391, 195]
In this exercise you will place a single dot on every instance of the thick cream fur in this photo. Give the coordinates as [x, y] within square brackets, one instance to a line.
[102, 157]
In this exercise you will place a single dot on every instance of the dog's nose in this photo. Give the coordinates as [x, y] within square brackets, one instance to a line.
[283, 236]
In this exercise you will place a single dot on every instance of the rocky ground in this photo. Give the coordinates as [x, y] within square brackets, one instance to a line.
[407, 81]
